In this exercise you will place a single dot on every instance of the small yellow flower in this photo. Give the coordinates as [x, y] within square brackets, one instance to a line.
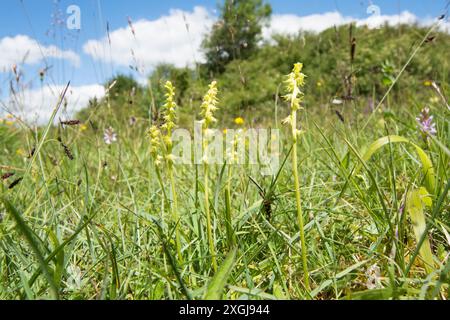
[8, 120]
[239, 121]
[83, 127]
[427, 83]
[225, 131]
[20, 152]
[434, 100]
[319, 84]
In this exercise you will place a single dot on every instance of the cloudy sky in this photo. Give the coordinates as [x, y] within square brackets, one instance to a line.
[34, 36]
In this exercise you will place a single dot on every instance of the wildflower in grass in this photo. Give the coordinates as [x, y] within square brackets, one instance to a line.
[337, 101]
[20, 152]
[9, 120]
[132, 121]
[239, 121]
[170, 107]
[208, 107]
[155, 144]
[426, 124]
[154, 133]
[83, 127]
[427, 83]
[75, 281]
[373, 276]
[295, 81]
[110, 136]
[434, 100]
[170, 118]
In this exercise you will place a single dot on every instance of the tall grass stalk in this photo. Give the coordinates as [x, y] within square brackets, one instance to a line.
[232, 159]
[228, 215]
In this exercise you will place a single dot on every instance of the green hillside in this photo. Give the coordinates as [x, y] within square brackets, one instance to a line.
[249, 87]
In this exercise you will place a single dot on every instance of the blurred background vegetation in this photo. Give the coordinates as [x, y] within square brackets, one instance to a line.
[348, 65]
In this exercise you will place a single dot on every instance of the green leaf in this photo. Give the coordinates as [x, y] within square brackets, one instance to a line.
[416, 202]
[59, 259]
[427, 165]
[28, 235]
[377, 294]
[218, 283]
[340, 275]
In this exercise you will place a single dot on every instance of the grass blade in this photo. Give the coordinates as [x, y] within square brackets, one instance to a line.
[218, 283]
[26, 232]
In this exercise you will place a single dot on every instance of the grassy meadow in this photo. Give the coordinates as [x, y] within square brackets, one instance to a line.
[93, 207]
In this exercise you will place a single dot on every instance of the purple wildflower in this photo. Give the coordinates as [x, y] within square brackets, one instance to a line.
[110, 136]
[426, 124]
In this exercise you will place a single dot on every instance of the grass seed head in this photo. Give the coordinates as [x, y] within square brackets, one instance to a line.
[15, 183]
[71, 123]
[67, 150]
[7, 175]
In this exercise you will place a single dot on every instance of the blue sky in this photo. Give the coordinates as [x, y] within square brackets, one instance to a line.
[34, 18]
[13, 17]
[86, 59]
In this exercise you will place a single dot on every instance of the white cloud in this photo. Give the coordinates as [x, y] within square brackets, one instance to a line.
[292, 24]
[21, 48]
[36, 106]
[165, 40]
[375, 21]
